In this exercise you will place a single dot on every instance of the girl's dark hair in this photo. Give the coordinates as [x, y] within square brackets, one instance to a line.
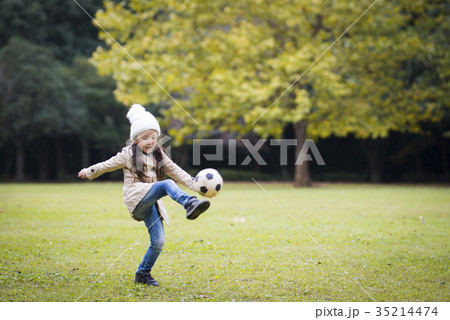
[141, 167]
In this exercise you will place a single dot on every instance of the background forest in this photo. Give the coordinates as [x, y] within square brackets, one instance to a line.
[376, 104]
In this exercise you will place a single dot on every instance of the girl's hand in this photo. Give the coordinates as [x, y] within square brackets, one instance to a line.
[82, 174]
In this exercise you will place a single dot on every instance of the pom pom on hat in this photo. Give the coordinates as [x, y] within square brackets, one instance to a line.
[135, 111]
[141, 120]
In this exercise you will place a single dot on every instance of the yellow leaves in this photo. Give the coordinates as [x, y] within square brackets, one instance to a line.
[302, 106]
[228, 62]
[117, 21]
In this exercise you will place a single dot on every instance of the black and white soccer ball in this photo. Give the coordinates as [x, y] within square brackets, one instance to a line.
[208, 182]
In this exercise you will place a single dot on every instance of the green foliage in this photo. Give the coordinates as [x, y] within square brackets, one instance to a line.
[37, 96]
[393, 240]
[105, 123]
[49, 95]
[395, 65]
[226, 63]
[59, 25]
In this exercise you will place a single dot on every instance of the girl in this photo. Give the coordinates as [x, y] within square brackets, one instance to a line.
[144, 165]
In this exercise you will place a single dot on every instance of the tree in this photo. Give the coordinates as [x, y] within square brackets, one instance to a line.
[66, 32]
[58, 25]
[225, 63]
[105, 125]
[230, 64]
[395, 65]
[38, 102]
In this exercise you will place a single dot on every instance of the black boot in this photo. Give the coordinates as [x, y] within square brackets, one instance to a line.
[145, 278]
[195, 207]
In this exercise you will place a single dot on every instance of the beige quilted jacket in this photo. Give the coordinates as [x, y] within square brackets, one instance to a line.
[134, 189]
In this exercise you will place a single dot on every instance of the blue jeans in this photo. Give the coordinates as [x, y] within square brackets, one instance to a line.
[148, 210]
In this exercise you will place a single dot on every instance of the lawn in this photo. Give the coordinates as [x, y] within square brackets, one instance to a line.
[337, 242]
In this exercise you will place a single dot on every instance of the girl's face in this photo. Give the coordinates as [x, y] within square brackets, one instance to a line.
[147, 140]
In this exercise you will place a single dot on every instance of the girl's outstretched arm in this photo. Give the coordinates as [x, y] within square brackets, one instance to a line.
[117, 162]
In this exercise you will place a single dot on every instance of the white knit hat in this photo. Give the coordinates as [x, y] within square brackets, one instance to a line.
[141, 120]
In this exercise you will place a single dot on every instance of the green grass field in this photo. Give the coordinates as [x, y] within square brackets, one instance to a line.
[77, 242]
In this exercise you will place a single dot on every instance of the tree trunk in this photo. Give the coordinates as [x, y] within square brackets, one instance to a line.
[301, 176]
[85, 156]
[375, 152]
[43, 160]
[285, 173]
[417, 158]
[444, 156]
[8, 162]
[20, 160]
[60, 163]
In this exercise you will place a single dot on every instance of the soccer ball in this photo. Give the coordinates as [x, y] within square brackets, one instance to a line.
[208, 182]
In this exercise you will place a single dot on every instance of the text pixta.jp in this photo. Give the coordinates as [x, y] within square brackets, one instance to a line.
[337, 312]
